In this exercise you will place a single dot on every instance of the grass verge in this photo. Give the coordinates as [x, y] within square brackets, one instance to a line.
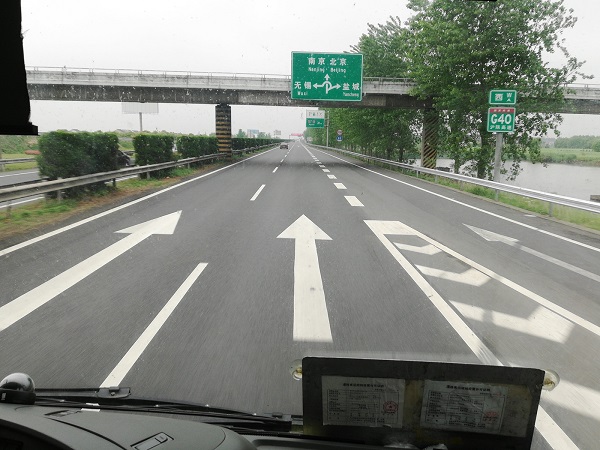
[565, 214]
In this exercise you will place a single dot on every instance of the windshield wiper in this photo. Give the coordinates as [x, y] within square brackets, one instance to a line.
[120, 399]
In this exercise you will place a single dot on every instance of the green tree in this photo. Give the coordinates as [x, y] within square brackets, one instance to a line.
[387, 133]
[459, 51]
[240, 134]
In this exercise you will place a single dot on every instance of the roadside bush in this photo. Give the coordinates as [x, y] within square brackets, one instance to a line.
[192, 146]
[242, 143]
[64, 154]
[153, 148]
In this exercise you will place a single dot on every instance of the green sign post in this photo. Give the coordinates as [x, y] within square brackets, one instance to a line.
[503, 97]
[327, 76]
[315, 119]
[501, 119]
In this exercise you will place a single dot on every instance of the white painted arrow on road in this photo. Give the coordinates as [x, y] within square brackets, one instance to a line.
[30, 301]
[495, 237]
[311, 320]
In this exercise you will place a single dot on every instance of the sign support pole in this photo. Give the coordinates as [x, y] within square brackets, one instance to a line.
[498, 156]
[327, 138]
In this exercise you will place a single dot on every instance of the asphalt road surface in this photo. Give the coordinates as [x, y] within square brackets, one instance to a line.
[209, 290]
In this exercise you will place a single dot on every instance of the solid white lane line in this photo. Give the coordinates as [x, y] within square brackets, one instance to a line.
[339, 185]
[548, 233]
[383, 228]
[118, 208]
[22, 201]
[353, 200]
[257, 193]
[325, 170]
[129, 359]
[275, 169]
[549, 429]
[332, 177]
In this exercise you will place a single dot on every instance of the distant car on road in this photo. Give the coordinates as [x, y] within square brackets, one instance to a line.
[283, 145]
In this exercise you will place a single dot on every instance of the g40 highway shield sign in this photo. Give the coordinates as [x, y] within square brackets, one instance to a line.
[327, 76]
[501, 119]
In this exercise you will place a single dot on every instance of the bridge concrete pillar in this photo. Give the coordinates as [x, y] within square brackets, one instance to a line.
[223, 122]
[429, 140]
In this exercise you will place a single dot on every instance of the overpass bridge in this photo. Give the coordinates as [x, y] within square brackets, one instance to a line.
[225, 89]
[52, 83]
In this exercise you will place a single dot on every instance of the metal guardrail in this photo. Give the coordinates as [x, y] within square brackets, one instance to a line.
[45, 187]
[14, 161]
[552, 199]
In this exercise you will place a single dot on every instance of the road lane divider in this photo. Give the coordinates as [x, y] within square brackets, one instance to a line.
[257, 193]
[133, 354]
[275, 169]
[332, 177]
[353, 200]
[339, 185]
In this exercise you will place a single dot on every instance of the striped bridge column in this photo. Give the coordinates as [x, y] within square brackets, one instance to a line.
[223, 122]
[429, 141]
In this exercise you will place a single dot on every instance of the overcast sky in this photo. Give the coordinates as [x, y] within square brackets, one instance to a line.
[234, 36]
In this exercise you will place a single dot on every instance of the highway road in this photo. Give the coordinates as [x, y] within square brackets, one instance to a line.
[209, 290]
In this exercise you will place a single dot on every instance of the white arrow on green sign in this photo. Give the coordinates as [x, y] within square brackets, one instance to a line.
[327, 76]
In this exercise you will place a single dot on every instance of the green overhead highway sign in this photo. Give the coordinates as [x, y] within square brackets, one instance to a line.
[315, 119]
[503, 97]
[501, 119]
[327, 76]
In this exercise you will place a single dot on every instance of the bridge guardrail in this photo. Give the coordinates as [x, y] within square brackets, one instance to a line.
[552, 199]
[45, 187]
